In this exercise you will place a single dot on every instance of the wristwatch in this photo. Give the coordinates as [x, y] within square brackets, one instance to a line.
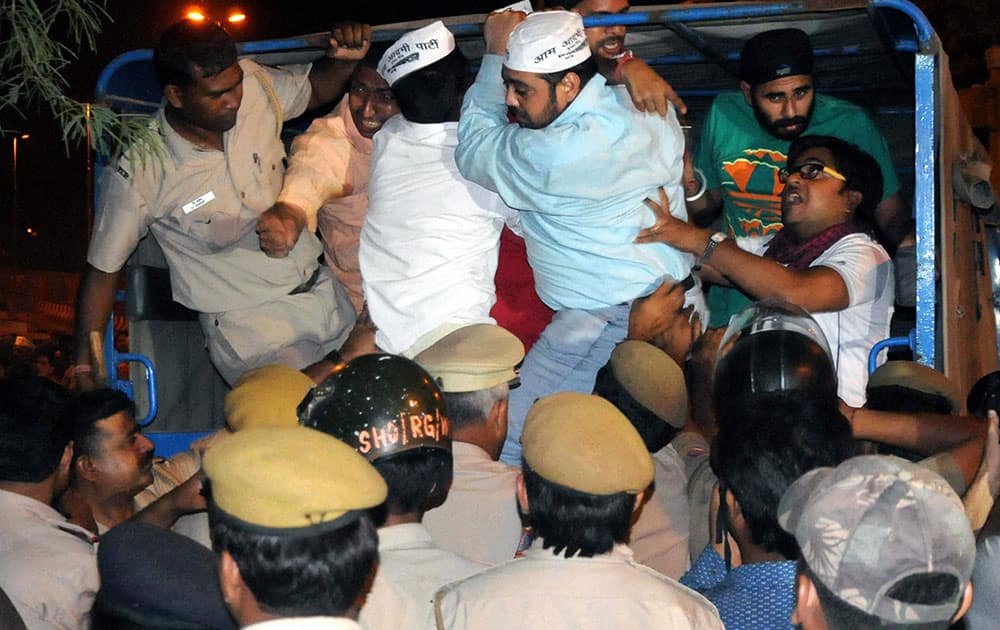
[713, 242]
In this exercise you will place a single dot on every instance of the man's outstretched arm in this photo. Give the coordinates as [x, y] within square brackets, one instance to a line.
[94, 301]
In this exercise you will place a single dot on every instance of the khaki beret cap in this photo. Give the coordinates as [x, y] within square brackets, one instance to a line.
[653, 379]
[584, 443]
[472, 358]
[917, 377]
[266, 396]
[281, 479]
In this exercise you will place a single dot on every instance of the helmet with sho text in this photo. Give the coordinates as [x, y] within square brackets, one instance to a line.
[380, 404]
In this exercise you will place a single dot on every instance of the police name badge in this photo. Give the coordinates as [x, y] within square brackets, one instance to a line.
[191, 206]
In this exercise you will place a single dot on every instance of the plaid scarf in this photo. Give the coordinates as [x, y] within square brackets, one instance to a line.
[787, 250]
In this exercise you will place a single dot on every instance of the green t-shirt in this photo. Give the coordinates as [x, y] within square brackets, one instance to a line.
[742, 159]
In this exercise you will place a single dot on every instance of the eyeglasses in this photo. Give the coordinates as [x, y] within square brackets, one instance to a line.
[809, 170]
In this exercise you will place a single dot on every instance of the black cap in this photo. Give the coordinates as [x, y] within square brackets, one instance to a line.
[152, 577]
[776, 54]
[381, 405]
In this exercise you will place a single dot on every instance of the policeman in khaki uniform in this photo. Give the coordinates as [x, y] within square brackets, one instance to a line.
[475, 369]
[216, 169]
[585, 471]
[648, 387]
[262, 397]
[389, 409]
[302, 496]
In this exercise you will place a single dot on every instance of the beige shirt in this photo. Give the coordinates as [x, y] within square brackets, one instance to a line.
[411, 569]
[659, 537]
[167, 475]
[48, 567]
[202, 205]
[549, 592]
[328, 178]
[479, 518]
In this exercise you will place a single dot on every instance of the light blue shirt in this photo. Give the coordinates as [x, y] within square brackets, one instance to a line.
[580, 183]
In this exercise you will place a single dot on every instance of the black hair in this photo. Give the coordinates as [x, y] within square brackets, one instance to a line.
[654, 431]
[770, 447]
[300, 576]
[922, 588]
[33, 427]
[466, 409]
[859, 168]
[984, 395]
[83, 414]
[902, 399]
[414, 477]
[190, 47]
[434, 94]
[586, 70]
[575, 523]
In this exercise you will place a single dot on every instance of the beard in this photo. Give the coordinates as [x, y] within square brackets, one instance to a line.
[546, 116]
[781, 128]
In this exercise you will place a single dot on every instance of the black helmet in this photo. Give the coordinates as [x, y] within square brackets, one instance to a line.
[771, 349]
[380, 404]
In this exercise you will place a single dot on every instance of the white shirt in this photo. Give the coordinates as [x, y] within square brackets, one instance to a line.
[411, 569]
[659, 537]
[479, 519]
[307, 623]
[48, 567]
[867, 271]
[545, 591]
[430, 241]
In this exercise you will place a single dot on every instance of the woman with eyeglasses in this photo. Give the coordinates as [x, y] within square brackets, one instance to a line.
[825, 259]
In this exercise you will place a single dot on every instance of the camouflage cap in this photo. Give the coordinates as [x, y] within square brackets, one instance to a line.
[584, 443]
[917, 377]
[874, 521]
[266, 396]
[472, 358]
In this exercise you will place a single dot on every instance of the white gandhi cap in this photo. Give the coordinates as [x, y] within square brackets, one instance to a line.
[415, 50]
[549, 41]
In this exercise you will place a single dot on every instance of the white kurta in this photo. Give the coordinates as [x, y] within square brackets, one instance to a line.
[430, 241]
[48, 567]
[479, 519]
[411, 569]
[545, 591]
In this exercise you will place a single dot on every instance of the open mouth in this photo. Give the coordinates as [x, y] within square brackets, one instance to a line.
[611, 46]
[791, 197]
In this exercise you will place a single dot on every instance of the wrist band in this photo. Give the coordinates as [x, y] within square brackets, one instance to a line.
[698, 174]
[622, 59]
[81, 369]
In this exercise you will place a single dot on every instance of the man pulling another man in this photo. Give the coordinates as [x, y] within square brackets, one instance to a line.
[580, 211]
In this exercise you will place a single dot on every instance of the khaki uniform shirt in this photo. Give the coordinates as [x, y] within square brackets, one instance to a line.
[659, 537]
[549, 592]
[202, 206]
[411, 569]
[479, 519]
[48, 567]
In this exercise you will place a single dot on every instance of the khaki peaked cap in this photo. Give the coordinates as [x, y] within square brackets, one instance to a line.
[584, 443]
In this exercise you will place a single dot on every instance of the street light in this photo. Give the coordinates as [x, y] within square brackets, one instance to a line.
[13, 209]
